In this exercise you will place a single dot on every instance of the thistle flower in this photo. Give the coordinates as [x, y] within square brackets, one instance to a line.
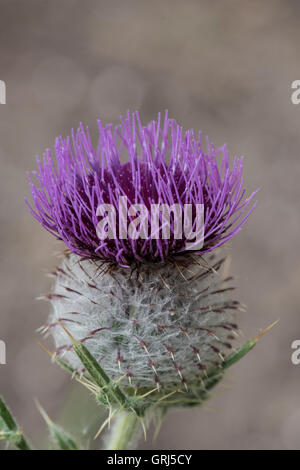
[145, 322]
[164, 166]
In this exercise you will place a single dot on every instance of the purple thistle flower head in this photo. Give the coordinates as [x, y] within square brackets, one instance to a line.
[164, 166]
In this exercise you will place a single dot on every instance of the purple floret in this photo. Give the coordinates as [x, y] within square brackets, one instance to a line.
[163, 165]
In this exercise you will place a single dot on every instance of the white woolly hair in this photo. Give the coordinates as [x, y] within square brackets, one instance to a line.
[163, 323]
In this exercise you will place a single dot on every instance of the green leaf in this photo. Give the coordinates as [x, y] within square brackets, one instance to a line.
[60, 438]
[6, 419]
[239, 354]
[97, 373]
[243, 350]
[9, 429]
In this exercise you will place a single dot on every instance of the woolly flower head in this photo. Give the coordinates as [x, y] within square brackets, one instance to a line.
[167, 325]
[149, 309]
[163, 166]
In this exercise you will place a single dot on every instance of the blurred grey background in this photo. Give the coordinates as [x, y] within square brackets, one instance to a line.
[223, 67]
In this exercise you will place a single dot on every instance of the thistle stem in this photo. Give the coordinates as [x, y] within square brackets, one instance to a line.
[123, 431]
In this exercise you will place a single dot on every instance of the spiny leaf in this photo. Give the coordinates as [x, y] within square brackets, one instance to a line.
[6, 419]
[99, 376]
[59, 361]
[97, 373]
[9, 430]
[64, 365]
[61, 439]
[243, 350]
